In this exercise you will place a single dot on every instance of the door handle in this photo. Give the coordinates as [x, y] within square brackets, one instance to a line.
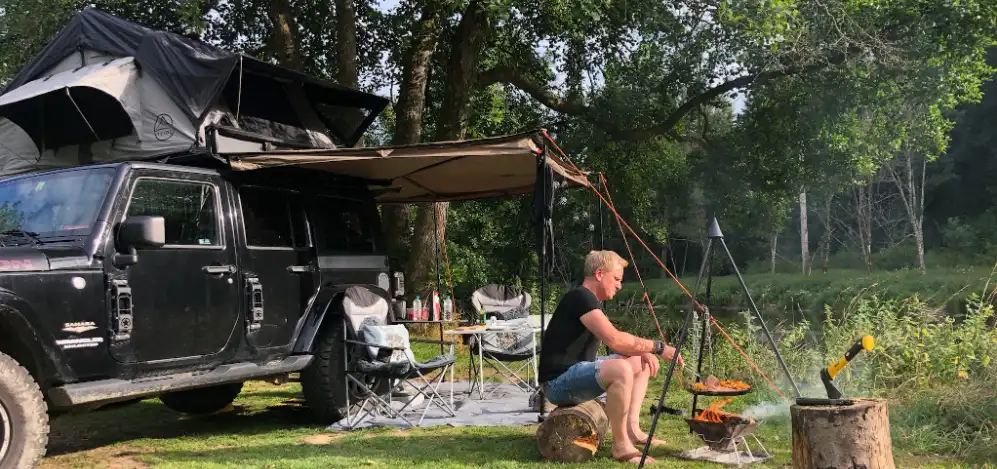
[300, 269]
[218, 269]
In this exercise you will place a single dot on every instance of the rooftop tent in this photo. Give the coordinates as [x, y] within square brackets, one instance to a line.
[107, 89]
[436, 171]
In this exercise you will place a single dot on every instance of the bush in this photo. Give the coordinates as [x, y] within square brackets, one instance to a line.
[935, 368]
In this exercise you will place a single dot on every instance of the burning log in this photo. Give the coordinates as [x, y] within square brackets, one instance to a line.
[720, 429]
[573, 433]
[842, 436]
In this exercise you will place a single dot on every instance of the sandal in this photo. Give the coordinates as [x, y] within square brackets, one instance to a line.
[627, 457]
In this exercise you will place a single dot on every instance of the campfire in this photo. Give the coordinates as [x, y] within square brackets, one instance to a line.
[719, 429]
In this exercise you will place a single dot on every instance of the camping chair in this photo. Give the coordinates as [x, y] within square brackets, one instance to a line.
[376, 353]
[510, 308]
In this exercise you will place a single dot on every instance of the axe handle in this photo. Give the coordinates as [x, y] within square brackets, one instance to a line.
[866, 343]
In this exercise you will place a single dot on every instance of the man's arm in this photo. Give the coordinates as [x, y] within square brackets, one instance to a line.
[615, 339]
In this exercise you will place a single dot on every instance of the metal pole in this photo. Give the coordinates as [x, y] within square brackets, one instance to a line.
[754, 309]
[671, 368]
[706, 326]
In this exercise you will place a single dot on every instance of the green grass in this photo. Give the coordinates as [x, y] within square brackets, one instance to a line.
[269, 428]
[937, 420]
[796, 296]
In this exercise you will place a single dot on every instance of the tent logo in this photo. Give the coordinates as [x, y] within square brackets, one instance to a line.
[163, 129]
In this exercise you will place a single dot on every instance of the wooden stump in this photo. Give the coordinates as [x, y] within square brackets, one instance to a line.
[856, 436]
[573, 433]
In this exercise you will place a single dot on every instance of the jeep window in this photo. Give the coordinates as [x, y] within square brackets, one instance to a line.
[345, 225]
[189, 209]
[54, 204]
[272, 219]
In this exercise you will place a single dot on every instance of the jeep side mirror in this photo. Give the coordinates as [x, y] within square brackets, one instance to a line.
[138, 233]
[142, 233]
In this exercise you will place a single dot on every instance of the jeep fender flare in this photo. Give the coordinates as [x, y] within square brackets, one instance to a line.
[327, 302]
[47, 361]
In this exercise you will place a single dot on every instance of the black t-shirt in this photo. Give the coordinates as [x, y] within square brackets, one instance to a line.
[566, 340]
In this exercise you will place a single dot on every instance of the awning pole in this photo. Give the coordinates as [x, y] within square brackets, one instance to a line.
[436, 244]
[544, 219]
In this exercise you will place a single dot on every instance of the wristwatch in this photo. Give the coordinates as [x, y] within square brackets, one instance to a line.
[659, 347]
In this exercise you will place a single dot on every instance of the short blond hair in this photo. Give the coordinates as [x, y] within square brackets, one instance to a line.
[605, 260]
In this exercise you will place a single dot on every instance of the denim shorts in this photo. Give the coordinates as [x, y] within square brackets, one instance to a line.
[578, 384]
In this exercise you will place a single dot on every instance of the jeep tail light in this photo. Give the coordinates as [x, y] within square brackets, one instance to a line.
[398, 284]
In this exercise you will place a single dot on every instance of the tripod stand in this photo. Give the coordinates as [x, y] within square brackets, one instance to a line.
[713, 235]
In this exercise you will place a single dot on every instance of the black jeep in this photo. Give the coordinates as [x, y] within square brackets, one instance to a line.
[174, 281]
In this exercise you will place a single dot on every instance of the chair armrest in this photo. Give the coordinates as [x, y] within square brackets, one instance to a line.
[367, 344]
[430, 341]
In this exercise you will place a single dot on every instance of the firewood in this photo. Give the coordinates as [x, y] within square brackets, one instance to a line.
[842, 436]
[573, 433]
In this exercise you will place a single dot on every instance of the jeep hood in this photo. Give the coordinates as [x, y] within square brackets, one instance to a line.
[41, 258]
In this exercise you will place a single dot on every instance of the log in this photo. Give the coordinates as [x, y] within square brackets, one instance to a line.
[573, 433]
[855, 436]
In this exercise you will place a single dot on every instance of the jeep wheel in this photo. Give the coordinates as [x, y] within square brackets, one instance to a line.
[202, 400]
[323, 383]
[23, 417]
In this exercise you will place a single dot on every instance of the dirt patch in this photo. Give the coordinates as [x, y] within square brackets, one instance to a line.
[111, 458]
[321, 438]
[125, 462]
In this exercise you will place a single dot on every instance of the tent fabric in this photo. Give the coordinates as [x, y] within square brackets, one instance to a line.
[107, 110]
[429, 172]
[192, 73]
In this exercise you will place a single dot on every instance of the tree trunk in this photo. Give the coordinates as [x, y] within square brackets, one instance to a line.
[462, 76]
[772, 251]
[842, 437]
[410, 108]
[804, 235]
[912, 196]
[283, 34]
[863, 219]
[573, 433]
[346, 44]
[828, 227]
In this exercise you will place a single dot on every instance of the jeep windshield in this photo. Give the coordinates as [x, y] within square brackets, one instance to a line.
[60, 204]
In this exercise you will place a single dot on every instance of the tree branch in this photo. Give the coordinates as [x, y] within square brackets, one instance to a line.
[512, 76]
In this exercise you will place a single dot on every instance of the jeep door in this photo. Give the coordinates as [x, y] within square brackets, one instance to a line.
[185, 298]
[279, 257]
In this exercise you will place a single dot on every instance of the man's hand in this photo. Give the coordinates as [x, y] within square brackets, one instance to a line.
[650, 361]
[670, 354]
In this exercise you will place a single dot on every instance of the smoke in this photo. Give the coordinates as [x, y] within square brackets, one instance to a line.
[779, 408]
[767, 410]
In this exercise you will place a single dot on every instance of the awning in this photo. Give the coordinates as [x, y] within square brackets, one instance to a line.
[427, 172]
[73, 106]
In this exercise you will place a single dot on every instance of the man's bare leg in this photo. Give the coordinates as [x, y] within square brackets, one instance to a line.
[639, 390]
[618, 377]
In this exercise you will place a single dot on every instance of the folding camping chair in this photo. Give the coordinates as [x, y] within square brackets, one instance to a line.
[376, 353]
[515, 343]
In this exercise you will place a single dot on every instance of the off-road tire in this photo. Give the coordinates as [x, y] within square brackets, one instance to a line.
[202, 400]
[323, 383]
[23, 417]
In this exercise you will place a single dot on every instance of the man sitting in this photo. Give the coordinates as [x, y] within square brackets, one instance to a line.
[571, 371]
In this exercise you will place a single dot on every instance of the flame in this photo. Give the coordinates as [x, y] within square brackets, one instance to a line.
[713, 413]
[587, 442]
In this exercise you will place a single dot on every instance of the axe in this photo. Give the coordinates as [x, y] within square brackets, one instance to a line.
[828, 374]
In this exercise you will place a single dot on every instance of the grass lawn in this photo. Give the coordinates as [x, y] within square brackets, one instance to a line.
[270, 429]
